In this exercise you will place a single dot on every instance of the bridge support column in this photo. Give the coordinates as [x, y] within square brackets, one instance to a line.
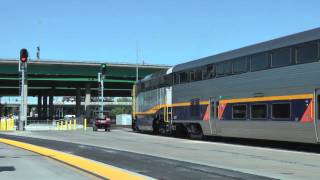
[51, 108]
[39, 107]
[78, 102]
[87, 101]
[45, 107]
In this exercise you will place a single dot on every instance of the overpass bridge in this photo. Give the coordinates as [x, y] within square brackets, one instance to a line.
[49, 78]
[65, 77]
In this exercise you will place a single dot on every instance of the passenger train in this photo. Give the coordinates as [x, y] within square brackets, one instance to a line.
[269, 90]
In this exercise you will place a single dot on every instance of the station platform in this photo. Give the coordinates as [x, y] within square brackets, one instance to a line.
[16, 163]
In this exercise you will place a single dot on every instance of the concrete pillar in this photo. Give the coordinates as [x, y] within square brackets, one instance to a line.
[78, 102]
[51, 107]
[45, 107]
[87, 101]
[39, 107]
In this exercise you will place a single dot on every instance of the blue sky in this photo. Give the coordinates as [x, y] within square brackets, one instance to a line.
[168, 31]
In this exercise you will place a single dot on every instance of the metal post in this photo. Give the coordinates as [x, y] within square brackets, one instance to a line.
[23, 96]
[87, 100]
[102, 97]
[137, 60]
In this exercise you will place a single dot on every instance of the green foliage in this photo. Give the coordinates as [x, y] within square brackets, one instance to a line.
[120, 110]
[124, 99]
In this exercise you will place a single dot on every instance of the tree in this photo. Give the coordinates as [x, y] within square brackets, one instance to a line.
[120, 110]
[124, 99]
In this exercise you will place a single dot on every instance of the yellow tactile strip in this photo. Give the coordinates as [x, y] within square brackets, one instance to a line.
[100, 169]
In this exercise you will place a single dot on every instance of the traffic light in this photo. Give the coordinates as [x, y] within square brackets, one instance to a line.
[24, 55]
[103, 69]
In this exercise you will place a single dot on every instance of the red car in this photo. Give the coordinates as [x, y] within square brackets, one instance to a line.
[102, 124]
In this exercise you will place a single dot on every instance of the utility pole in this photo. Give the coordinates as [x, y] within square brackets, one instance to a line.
[137, 61]
[101, 77]
[23, 88]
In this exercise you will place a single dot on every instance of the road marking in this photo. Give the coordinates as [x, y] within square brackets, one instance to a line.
[100, 169]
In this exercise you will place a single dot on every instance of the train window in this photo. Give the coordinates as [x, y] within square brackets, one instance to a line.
[259, 111]
[239, 111]
[184, 77]
[281, 111]
[192, 76]
[259, 62]
[239, 65]
[224, 68]
[209, 71]
[147, 85]
[195, 107]
[154, 83]
[307, 52]
[176, 78]
[198, 75]
[318, 106]
[281, 57]
[168, 79]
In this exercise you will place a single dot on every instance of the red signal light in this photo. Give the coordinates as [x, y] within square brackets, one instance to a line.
[23, 55]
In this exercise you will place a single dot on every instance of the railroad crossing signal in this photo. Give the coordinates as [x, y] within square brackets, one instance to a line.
[23, 86]
[103, 69]
[24, 55]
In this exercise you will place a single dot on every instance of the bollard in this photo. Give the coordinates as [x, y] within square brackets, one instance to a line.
[69, 125]
[10, 124]
[57, 125]
[74, 124]
[13, 124]
[65, 125]
[60, 125]
[7, 124]
[85, 124]
[2, 123]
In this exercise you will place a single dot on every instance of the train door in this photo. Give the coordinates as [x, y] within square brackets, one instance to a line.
[213, 115]
[317, 114]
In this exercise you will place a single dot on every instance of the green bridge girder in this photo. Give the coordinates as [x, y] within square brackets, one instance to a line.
[63, 77]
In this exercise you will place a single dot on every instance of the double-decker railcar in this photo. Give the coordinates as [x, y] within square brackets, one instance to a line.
[151, 97]
[268, 91]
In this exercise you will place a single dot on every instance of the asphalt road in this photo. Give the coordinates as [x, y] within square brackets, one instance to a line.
[156, 167]
[16, 163]
[172, 158]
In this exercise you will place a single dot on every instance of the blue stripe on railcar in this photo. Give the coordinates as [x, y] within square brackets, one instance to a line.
[298, 107]
[184, 113]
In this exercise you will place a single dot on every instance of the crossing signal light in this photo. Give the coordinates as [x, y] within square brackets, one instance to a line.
[24, 55]
[103, 69]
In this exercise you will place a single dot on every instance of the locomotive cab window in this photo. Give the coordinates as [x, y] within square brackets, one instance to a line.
[259, 111]
[239, 111]
[307, 52]
[184, 77]
[176, 79]
[281, 110]
[259, 62]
